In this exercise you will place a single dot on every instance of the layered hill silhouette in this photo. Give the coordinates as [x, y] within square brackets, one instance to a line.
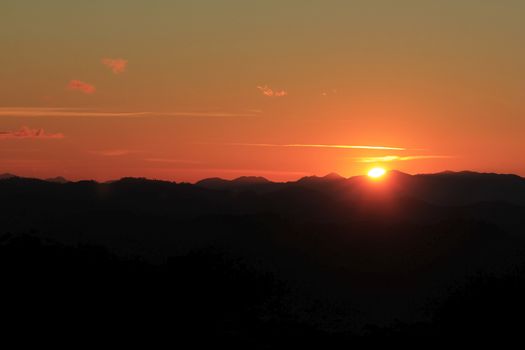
[447, 188]
[325, 256]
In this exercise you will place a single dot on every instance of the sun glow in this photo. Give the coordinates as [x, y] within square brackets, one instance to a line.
[376, 173]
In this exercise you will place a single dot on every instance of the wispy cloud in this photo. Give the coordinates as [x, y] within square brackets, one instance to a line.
[125, 152]
[256, 172]
[321, 146]
[78, 112]
[63, 112]
[245, 172]
[112, 152]
[206, 114]
[117, 65]
[267, 91]
[398, 158]
[172, 161]
[28, 133]
[81, 86]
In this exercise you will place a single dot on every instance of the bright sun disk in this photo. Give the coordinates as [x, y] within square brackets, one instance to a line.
[376, 172]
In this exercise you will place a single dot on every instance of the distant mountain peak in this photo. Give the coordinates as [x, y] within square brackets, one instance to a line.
[7, 176]
[333, 176]
[321, 179]
[140, 180]
[398, 174]
[58, 179]
[251, 179]
[240, 183]
[211, 180]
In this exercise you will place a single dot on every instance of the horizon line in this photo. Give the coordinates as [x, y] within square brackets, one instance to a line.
[8, 175]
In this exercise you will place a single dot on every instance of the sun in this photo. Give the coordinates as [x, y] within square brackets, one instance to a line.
[376, 173]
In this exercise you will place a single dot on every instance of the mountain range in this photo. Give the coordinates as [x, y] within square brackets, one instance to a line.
[332, 254]
[445, 188]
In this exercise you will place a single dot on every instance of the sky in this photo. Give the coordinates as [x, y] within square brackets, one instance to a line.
[184, 90]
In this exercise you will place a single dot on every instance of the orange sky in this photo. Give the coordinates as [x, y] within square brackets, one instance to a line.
[183, 90]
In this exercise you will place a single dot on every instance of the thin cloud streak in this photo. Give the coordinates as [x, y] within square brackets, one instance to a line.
[246, 172]
[78, 112]
[172, 161]
[398, 158]
[112, 152]
[205, 114]
[28, 133]
[320, 146]
[64, 112]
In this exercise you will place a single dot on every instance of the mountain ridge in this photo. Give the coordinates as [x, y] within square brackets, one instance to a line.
[261, 179]
[450, 188]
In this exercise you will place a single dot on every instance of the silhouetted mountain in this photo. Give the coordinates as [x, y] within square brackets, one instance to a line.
[58, 179]
[324, 256]
[6, 176]
[328, 177]
[462, 188]
[251, 180]
[238, 184]
[214, 183]
[447, 188]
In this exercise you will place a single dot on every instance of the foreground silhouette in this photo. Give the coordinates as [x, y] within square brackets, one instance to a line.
[320, 258]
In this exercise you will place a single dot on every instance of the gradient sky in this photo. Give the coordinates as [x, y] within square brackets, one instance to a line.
[183, 90]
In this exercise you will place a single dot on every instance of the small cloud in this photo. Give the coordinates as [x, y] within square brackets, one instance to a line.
[266, 91]
[81, 86]
[117, 65]
[27, 133]
[327, 93]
